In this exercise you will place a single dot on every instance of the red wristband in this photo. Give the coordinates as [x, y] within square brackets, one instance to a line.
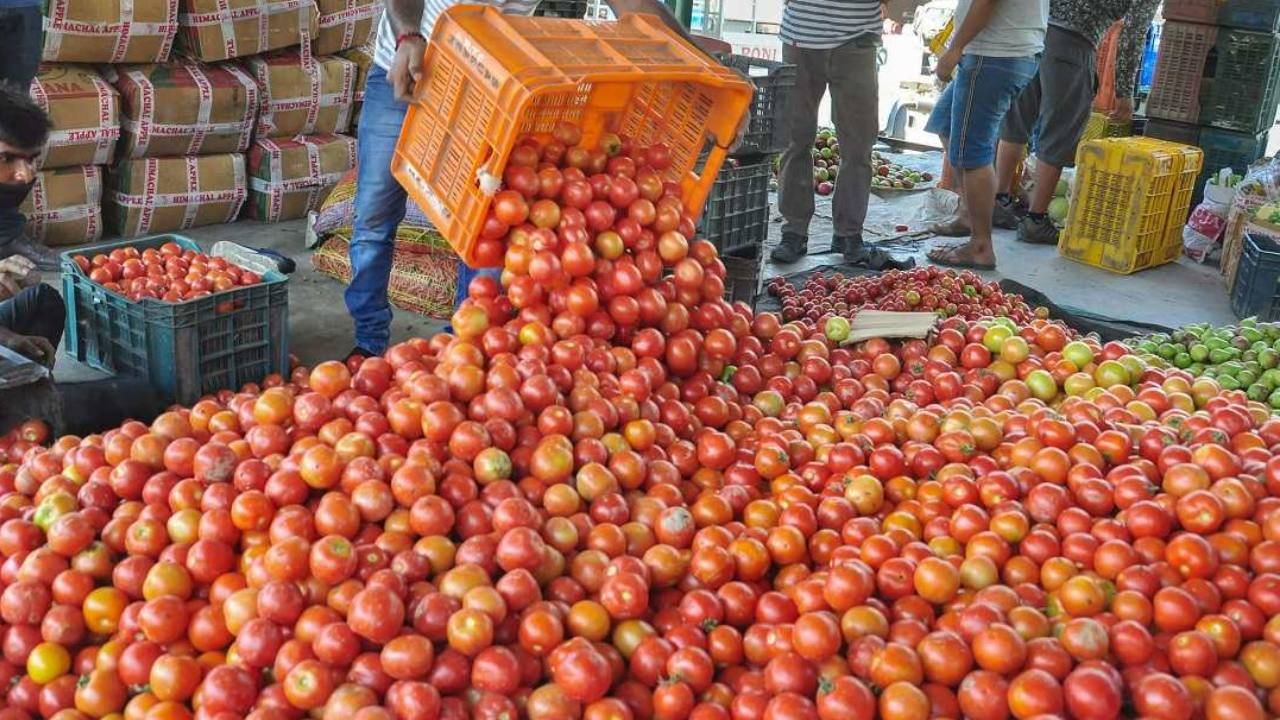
[405, 36]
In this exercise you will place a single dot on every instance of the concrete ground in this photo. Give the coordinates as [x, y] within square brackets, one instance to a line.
[1175, 294]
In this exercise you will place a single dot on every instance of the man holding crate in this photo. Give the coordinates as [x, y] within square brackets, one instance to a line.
[380, 200]
[31, 313]
[832, 43]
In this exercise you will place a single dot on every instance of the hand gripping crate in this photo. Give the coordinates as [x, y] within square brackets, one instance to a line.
[1132, 198]
[767, 133]
[187, 349]
[488, 79]
[1179, 75]
[737, 210]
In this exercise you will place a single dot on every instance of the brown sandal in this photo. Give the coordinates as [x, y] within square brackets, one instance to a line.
[956, 256]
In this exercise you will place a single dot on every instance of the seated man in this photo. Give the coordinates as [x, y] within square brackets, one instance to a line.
[31, 314]
[24, 128]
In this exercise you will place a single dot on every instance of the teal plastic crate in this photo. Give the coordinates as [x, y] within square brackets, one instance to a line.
[185, 349]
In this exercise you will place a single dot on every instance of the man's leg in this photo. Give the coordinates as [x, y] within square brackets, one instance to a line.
[1008, 156]
[380, 206]
[36, 311]
[1069, 81]
[795, 181]
[855, 108]
[941, 121]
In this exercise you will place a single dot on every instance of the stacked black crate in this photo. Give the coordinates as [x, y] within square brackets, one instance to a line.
[1217, 80]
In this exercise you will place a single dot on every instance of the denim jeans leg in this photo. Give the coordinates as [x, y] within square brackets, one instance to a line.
[380, 207]
[37, 311]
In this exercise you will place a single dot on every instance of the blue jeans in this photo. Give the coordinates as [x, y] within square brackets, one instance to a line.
[380, 208]
[35, 311]
[23, 37]
[969, 114]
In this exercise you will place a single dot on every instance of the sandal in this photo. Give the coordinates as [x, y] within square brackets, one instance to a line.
[954, 256]
[950, 228]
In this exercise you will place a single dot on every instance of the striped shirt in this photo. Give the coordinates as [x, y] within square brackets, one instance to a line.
[384, 50]
[826, 24]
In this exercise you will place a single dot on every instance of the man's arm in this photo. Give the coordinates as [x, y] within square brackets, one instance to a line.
[976, 21]
[405, 17]
[1133, 40]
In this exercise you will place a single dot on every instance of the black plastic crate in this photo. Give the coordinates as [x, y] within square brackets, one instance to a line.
[743, 276]
[736, 215]
[185, 349]
[1259, 15]
[575, 9]
[767, 133]
[1245, 71]
[1255, 289]
[1172, 131]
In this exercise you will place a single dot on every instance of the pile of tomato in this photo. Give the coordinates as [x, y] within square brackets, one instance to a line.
[613, 496]
[22, 437]
[947, 292]
[169, 273]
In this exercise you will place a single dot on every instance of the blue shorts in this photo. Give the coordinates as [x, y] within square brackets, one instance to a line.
[972, 107]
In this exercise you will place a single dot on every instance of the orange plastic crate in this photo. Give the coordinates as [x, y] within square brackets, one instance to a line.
[490, 79]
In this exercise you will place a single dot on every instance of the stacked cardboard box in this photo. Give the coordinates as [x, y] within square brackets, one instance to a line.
[64, 207]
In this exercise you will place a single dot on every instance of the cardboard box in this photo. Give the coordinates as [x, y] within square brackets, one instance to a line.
[186, 108]
[65, 206]
[289, 178]
[224, 29]
[303, 95]
[109, 31]
[363, 58]
[345, 24]
[85, 113]
[152, 195]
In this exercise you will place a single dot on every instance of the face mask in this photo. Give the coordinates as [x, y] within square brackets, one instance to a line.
[12, 194]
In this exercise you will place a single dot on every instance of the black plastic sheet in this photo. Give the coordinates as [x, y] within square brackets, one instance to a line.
[1106, 328]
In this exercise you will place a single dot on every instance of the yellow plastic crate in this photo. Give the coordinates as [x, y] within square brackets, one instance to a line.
[1101, 126]
[1132, 199]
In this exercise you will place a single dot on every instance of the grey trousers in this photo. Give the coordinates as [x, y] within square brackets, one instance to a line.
[850, 71]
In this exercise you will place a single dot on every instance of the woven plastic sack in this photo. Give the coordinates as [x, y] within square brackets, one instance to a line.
[339, 208]
[303, 95]
[153, 195]
[289, 178]
[84, 111]
[224, 29]
[64, 206]
[421, 282]
[345, 24]
[109, 31]
[185, 108]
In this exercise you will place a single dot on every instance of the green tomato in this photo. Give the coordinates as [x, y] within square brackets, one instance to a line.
[1111, 373]
[995, 336]
[1199, 352]
[1042, 385]
[838, 329]
[1077, 353]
